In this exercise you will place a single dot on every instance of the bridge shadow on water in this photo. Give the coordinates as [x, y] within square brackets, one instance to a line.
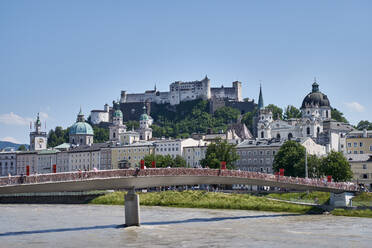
[155, 223]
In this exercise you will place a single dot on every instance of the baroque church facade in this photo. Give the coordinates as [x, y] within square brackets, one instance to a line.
[316, 122]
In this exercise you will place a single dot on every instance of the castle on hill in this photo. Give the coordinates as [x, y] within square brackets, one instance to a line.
[179, 91]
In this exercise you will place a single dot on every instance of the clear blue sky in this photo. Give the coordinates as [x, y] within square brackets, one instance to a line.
[56, 56]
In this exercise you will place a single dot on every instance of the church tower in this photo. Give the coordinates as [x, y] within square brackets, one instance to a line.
[145, 123]
[117, 128]
[38, 139]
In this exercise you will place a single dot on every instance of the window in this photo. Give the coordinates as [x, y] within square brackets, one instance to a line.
[262, 135]
[348, 144]
[365, 176]
[361, 152]
[308, 130]
[370, 148]
[361, 144]
[364, 166]
[355, 152]
[355, 144]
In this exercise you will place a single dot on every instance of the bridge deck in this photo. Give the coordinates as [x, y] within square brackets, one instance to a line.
[119, 179]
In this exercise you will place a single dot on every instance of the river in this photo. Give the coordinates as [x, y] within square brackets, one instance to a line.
[100, 226]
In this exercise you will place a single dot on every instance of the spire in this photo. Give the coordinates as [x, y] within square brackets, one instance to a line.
[260, 99]
[144, 109]
[155, 87]
[80, 117]
[315, 86]
[37, 123]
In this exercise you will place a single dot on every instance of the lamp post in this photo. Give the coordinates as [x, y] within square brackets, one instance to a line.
[306, 172]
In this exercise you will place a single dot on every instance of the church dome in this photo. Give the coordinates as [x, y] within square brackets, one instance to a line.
[144, 117]
[81, 128]
[118, 113]
[315, 98]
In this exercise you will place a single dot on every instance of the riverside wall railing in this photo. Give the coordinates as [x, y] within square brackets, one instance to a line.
[153, 172]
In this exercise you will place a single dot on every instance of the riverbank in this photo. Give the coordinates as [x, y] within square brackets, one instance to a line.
[362, 200]
[210, 200]
[217, 200]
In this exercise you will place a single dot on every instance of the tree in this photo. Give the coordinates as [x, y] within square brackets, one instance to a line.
[179, 161]
[58, 136]
[277, 111]
[290, 157]
[338, 116]
[22, 148]
[164, 161]
[364, 125]
[101, 135]
[336, 165]
[291, 112]
[227, 114]
[218, 152]
[248, 119]
[132, 125]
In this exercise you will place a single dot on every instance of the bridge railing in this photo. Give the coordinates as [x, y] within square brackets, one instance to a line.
[87, 175]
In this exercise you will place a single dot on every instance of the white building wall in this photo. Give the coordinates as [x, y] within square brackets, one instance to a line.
[97, 117]
[8, 163]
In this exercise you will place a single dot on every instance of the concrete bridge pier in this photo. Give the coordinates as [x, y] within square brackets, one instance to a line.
[132, 209]
[341, 200]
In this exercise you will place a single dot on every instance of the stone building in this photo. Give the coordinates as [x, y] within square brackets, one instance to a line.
[194, 154]
[184, 91]
[62, 161]
[38, 138]
[257, 156]
[46, 159]
[8, 163]
[361, 166]
[315, 122]
[24, 159]
[174, 147]
[81, 133]
[98, 116]
[359, 142]
[86, 157]
[130, 155]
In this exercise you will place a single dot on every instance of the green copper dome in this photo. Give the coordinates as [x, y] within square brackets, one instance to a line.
[144, 117]
[81, 128]
[118, 113]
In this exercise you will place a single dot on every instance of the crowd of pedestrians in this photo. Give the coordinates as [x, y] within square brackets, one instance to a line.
[94, 174]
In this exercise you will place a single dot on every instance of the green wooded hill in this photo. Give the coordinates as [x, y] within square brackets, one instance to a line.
[189, 117]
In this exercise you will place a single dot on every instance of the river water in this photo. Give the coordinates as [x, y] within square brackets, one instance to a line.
[100, 226]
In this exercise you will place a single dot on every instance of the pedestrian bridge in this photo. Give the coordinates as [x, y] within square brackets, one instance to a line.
[136, 179]
[157, 177]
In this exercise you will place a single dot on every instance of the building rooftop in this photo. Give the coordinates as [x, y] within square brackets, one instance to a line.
[254, 143]
[359, 157]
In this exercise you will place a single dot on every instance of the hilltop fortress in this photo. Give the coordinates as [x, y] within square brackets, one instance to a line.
[131, 104]
[185, 91]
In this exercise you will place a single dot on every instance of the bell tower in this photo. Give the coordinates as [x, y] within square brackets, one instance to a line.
[38, 139]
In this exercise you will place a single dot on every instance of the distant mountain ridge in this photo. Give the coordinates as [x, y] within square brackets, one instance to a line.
[5, 144]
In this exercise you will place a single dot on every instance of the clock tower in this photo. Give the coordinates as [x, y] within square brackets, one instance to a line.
[38, 139]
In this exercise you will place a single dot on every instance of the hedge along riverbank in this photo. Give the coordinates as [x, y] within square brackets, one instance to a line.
[211, 200]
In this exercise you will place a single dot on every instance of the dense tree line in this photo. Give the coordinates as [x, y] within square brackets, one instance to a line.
[364, 125]
[164, 161]
[218, 152]
[291, 157]
[59, 135]
[192, 117]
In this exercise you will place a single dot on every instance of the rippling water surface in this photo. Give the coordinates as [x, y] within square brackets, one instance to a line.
[99, 226]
